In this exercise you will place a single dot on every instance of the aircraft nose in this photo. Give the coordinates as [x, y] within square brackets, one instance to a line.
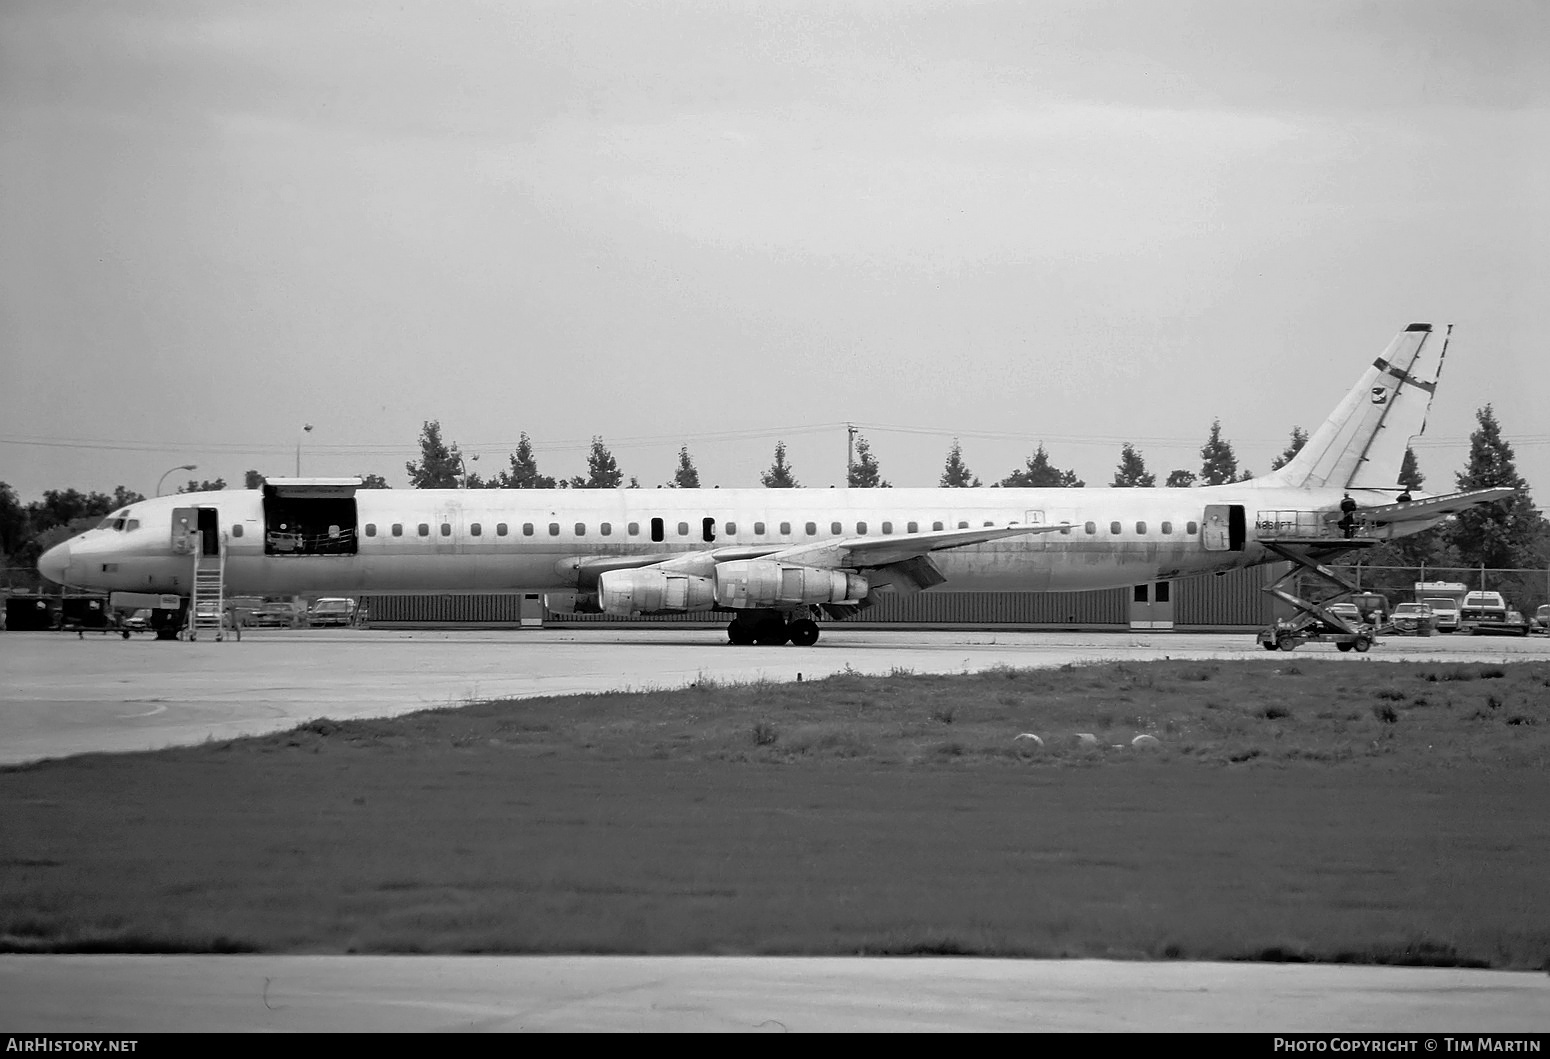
[54, 564]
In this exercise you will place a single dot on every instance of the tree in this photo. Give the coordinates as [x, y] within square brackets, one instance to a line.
[602, 470]
[686, 477]
[1293, 447]
[1511, 533]
[203, 487]
[1131, 472]
[1218, 465]
[955, 474]
[1410, 475]
[13, 521]
[440, 466]
[779, 475]
[252, 480]
[524, 470]
[1180, 479]
[373, 481]
[863, 474]
[1039, 473]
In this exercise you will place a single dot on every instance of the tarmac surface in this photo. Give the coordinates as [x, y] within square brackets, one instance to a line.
[62, 695]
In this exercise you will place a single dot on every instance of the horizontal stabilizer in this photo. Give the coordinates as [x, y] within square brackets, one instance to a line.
[1433, 506]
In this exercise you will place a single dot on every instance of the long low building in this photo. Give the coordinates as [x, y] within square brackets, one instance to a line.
[1234, 600]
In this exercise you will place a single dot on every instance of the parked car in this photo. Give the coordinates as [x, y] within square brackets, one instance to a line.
[274, 616]
[139, 621]
[1414, 619]
[331, 612]
[1349, 612]
[1446, 612]
[1540, 622]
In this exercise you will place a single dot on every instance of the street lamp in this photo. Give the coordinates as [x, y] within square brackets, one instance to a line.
[463, 467]
[163, 478]
[306, 428]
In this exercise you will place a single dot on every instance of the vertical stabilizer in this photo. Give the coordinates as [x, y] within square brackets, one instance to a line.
[1362, 444]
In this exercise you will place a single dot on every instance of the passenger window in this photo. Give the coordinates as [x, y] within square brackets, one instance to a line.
[836, 529]
[657, 530]
[500, 529]
[683, 529]
[913, 527]
[731, 529]
[446, 529]
[527, 529]
[425, 529]
[1091, 527]
[1066, 529]
[554, 529]
[1115, 528]
[758, 529]
[398, 529]
[989, 523]
[861, 528]
[606, 529]
[634, 529]
[1192, 529]
[371, 530]
[581, 529]
[474, 529]
[887, 527]
[963, 525]
[785, 529]
[1141, 529]
[1167, 529]
[812, 529]
[936, 527]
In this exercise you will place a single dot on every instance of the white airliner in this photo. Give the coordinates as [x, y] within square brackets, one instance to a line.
[779, 560]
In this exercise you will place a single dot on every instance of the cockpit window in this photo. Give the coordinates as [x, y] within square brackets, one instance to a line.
[118, 524]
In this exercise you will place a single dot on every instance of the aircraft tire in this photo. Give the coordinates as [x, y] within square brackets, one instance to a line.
[803, 632]
[771, 633]
[740, 632]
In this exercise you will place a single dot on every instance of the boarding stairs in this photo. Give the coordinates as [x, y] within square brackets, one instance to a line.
[207, 605]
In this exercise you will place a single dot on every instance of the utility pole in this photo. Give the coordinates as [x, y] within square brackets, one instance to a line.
[850, 452]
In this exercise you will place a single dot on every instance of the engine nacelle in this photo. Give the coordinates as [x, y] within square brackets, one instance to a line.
[764, 583]
[626, 592]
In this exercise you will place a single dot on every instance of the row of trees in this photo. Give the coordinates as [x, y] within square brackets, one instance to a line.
[1513, 534]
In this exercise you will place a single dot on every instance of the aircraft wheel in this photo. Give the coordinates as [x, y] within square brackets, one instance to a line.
[1362, 644]
[771, 633]
[740, 633]
[803, 633]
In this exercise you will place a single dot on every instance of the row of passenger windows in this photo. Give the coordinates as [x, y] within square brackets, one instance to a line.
[708, 529]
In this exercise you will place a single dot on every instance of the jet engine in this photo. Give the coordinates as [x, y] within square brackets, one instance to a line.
[626, 592]
[765, 583]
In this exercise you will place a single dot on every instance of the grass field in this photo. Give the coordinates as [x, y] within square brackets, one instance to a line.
[1361, 811]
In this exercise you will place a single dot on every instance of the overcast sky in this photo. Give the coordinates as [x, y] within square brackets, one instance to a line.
[722, 225]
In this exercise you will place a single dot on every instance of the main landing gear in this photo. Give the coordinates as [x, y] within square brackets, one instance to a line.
[770, 630]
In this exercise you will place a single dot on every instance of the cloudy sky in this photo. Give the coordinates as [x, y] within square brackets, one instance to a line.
[726, 224]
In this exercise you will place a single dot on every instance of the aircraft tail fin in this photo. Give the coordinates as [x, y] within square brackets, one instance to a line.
[1362, 444]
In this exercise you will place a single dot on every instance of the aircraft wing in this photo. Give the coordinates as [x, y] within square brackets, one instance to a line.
[1432, 507]
[844, 553]
[871, 552]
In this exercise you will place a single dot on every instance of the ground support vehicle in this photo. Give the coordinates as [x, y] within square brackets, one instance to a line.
[1487, 613]
[1326, 620]
[1540, 622]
